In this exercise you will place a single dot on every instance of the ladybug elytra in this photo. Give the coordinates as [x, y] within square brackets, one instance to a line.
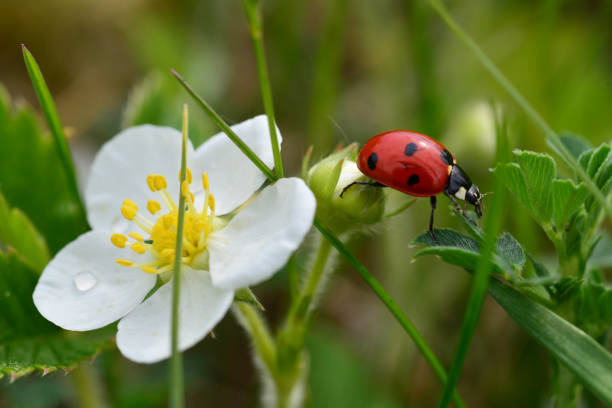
[418, 165]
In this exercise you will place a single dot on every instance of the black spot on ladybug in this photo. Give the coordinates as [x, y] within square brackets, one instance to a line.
[446, 157]
[372, 160]
[413, 179]
[410, 149]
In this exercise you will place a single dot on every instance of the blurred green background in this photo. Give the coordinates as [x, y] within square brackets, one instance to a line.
[341, 71]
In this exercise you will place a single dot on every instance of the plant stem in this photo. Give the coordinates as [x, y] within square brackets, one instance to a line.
[304, 305]
[480, 283]
[553, 138]
[259, 333]
[87, 387]
[176, 363]
[326, 75]
[252, 9]
[214, 116]
[391, 305]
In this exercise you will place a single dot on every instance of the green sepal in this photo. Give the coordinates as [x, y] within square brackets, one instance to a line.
[246, 295]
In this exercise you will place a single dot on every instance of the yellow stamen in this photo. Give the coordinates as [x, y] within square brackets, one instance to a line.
[149, 269]
[138, 248]
[205, 181]
[124, 262]
[151, 182]
[168, 254]
[153, 206]
[211, 202]
[128, 212]
[144, 219]
[141, 225]
[136, 236]
[189, 177]
[192, 198]
[118, 240]
[185, 188]
[130, 203]
[160, 182]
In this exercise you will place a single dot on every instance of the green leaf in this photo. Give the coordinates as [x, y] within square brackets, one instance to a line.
[599, 157]
[582, 355]
[567, 199]
[575, 144]
[457, 249]
[32, 177]
[18, 232]
[55, 125]
[598, 165]
[28, 342]
[511, 251]
[530, 181]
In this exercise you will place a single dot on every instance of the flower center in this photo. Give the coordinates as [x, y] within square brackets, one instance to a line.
[162, 232]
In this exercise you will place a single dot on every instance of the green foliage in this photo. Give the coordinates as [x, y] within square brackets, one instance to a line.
[18, 232]
[587, 359]
[567, 200]
[29, 342]
[570, 217]
[575, 144]
[461, 250]
[32, 177]
[530, 180]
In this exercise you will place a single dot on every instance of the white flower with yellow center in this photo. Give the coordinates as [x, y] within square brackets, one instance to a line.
[230, 241]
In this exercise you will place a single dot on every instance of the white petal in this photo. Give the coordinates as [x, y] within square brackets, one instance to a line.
[83, 288]
[144, 334]
[259, 240]
[120, 171]
[233, 177]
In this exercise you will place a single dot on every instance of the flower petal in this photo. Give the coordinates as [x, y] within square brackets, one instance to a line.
[120, 171]
[144, 334]
[259, 239]
[233, 177]
[83, 288]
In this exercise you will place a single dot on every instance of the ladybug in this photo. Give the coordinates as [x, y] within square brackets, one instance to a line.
[418, 165]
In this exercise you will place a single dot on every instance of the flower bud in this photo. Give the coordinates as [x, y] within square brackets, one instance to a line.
[359, 205]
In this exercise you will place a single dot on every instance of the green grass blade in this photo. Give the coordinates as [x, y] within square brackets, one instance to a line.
[582, 355]
[478, 292]
[252, 9]
[176, 363]
[55, 125]
[391, 305]
[553, 138]
[214, 116]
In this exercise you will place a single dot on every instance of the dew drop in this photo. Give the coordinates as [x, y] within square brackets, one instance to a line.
[85, 281]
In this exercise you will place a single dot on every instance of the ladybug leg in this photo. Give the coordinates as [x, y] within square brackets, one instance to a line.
[433, 202]
[457, 208]
[362, 183]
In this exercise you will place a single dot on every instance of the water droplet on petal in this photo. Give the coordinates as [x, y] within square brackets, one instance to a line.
[85, 281]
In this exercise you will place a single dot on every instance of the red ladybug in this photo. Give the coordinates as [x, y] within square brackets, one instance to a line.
[418, 165]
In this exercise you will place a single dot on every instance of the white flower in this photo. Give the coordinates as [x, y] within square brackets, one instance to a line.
[92, 282]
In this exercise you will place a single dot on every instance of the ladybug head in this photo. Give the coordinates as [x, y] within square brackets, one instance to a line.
[473, 197]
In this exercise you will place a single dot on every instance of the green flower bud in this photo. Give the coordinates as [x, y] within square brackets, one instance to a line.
[360, 205]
